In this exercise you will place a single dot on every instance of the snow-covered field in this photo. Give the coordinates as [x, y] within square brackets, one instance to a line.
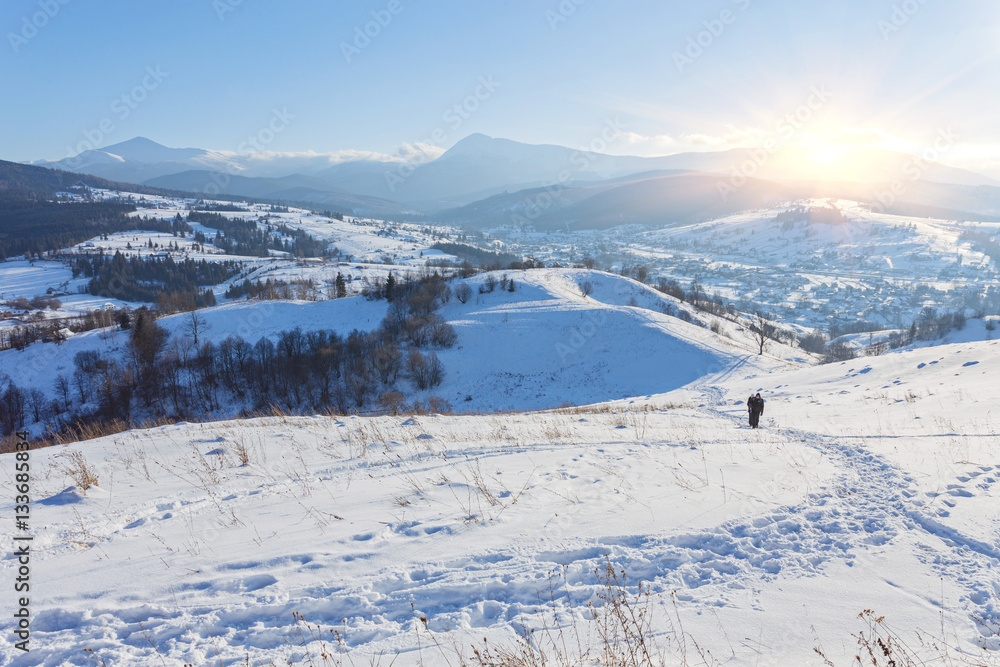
[871, 485]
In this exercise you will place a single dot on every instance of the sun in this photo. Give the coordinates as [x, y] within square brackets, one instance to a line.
[827, 155]
[814, 161]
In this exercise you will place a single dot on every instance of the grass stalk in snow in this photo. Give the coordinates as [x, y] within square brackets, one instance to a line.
[83, 474]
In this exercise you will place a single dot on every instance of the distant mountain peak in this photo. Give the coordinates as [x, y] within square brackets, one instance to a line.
[473, 143]
[135, 142]
[475, 137]
[141, 149]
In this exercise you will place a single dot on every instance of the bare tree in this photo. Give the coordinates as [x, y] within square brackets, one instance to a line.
[12, 408]
[196, 325]
[586, 288]
[387, 361]
[38, 403]
[62, 388]
[360, 380]
[425, 371]
[463, 292]
[762, 330]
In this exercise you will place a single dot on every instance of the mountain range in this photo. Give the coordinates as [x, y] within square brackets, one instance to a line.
[484, 181]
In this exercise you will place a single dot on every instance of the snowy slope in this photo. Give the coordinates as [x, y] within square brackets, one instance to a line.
[547, 345]
[539, 347]
[853, 495]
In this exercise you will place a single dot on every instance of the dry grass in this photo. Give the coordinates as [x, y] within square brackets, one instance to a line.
[248, 447]
[608, 408]
[80, 432]
[616, 628]
[881, 645]
[79, 469]
[619, 632]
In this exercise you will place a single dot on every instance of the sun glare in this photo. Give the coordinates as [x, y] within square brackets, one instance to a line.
[827, 155]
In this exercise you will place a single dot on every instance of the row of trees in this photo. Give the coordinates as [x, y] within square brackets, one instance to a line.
[187, 376]
[35, 227]
[153, 279]
[930, 325]
[240, 236]
[302, 289]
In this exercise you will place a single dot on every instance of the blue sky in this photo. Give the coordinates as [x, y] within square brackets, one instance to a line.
[676, 75]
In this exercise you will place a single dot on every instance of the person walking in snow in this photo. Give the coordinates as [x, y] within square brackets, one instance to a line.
[755, 405]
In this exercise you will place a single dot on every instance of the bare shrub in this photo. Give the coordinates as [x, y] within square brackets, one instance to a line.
[463, 293]
[838, 352]
[392, 403]
[433, 405]
[425, 370]
[80, 471]
[387, 361]
[244, 452]
[442, 334]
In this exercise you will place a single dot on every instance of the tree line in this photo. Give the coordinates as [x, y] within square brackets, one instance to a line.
[153, 279]
[240, 236]
[300, 371]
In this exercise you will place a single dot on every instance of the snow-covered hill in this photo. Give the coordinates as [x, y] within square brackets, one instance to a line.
[542, 346]
[871, 485]
[813, 270]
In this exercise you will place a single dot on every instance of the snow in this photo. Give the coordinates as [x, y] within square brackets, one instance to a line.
[850, 496]
[542, 346]
[872, 484]
[19, 278]
[874, 266]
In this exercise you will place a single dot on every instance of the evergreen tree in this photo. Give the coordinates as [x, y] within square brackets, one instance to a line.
[390, 286]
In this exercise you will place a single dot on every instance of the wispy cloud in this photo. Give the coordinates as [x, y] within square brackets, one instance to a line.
[411, 153]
